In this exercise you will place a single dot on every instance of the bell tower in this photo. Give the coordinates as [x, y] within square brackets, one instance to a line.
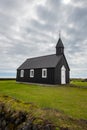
[59, 47]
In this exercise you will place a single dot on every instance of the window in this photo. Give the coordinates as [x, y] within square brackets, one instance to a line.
[44, 73]
[32, 73]
[22, 73]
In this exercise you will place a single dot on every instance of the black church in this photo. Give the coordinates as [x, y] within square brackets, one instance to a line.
[49, 69]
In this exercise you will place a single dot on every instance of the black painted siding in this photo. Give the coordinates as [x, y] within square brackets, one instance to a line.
[53, 74]
[37, 76]
[58, 71]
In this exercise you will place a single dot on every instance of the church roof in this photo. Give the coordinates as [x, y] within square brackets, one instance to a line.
[59, 43]
[49, 61]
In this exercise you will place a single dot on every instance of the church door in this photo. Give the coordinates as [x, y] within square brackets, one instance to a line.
[63, 75]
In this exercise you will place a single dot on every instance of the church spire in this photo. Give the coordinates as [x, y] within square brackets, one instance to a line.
[59, 46]
[59, 34]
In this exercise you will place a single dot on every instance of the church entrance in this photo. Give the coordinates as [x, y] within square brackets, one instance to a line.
[63, 75]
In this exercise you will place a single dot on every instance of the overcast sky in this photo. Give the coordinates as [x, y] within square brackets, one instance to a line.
[30, 28]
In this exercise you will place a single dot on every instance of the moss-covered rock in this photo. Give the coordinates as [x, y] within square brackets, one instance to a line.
[19, 120]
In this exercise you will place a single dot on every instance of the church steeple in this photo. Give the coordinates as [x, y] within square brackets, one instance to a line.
[59, 47]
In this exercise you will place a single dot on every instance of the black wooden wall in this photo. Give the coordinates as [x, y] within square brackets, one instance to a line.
[58, 71]
[37, 76]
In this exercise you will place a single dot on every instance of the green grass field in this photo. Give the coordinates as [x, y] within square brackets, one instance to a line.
[71, 100]
[79, 83]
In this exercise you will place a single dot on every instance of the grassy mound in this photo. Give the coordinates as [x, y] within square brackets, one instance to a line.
[15, 115]
[41, 119]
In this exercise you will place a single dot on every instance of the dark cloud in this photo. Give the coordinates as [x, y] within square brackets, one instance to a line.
[47, 15]
[42, 26]
[10, 5]
[54, 5]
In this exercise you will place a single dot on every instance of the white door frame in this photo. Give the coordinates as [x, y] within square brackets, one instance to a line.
[63, 75]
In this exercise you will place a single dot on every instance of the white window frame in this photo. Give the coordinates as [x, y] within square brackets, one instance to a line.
[44, 71]
[31, 73]
[21, 73]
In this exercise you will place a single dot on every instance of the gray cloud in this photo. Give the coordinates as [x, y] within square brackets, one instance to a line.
[29, 29]
[47, 15]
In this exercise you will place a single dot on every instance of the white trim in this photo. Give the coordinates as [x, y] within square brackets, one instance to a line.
[31, 73]
[44, 73]
[21, 73]
[63, 75]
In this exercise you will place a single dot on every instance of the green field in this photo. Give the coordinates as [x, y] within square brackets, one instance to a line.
[79, 83]
[71, 101]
